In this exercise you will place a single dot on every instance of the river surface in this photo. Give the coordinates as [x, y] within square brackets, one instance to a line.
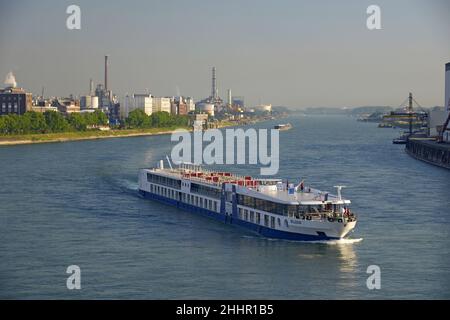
[76, 203]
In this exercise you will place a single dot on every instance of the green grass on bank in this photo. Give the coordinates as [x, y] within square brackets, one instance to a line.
[94, 134]
[226, 123]
[89, 134]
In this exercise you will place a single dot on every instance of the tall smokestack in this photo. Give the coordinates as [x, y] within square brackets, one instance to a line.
[91, 88]
[106, 73]
[214, 84]
[229, 97]
[410, 102]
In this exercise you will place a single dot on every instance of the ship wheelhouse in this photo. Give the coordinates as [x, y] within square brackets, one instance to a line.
[308, 210]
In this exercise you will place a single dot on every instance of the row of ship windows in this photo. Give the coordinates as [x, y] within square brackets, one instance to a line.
[174, 183]
[161, 191]
[205, 190]
[266, 205]
[284, 209]
[197, 201]
[212, 205]
[255, 217]
[204, 203]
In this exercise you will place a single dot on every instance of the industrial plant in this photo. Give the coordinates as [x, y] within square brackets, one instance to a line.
[208, 111]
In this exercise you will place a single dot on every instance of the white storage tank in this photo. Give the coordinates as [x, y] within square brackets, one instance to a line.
[94, 102]
[206, 108]
[85, 102]
[89, 102]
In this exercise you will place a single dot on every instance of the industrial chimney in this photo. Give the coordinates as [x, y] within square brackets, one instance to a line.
[214, 93]
[91, 88]
[106, 73]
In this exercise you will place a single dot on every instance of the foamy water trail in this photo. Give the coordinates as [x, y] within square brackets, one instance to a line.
[330, 242]
[127, 184]
[338, 242]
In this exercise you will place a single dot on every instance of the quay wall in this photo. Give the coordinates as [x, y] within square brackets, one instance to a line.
[429, 151]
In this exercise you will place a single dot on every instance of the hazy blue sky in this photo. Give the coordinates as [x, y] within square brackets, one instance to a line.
[294, 53]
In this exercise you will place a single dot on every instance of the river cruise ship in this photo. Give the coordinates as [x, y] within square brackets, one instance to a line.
[271, 208]
[283, 126]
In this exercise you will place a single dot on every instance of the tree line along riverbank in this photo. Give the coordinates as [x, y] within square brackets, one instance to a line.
[34, 127]
[55, 122]
[51, 126]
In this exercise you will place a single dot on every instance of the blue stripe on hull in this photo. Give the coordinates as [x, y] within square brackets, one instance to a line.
[261, 230]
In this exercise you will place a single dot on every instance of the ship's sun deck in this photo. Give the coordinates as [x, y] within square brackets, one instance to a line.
[308, 196]
[274, 189]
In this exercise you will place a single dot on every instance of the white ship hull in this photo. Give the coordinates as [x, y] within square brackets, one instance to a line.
[223, 204]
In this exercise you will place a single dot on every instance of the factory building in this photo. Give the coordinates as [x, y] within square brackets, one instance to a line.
[162, 104]
[69, 108]
[436, 118]
[190, 104]
[137, 101]
[43, 109]
[67, 105]
[198, 121]
[14, 100]
[104, 97]
[91, 101]
[144, 102]
[107, 101]
[182, 109]
[238, 102]
[180, 106]
[126, 106]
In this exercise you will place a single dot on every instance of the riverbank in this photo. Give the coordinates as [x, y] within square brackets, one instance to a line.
[82, 135]
[92, 135]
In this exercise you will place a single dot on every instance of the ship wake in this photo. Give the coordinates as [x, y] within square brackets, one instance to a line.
[338, 242]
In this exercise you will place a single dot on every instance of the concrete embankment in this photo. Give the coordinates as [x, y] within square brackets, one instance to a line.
[429, 151]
